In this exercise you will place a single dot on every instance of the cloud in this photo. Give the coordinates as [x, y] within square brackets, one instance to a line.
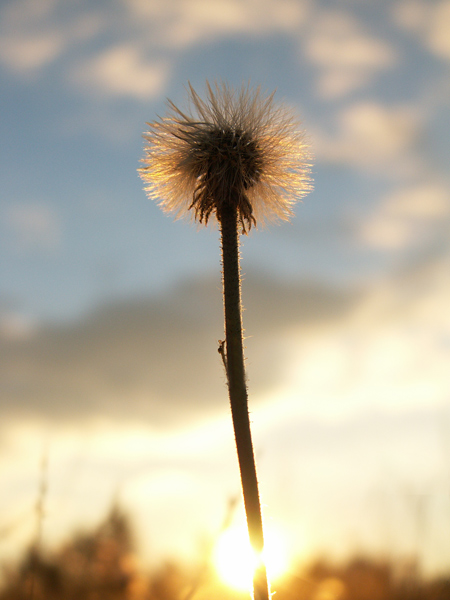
[410, 14]
[163, 27]
[155, 359]
[406, 217]
[32, 226]
[390, 354]
[438, 34]
[28, 54]
[374, 136]
[363, 375]
[346, 56]
[33, 37]
[377, 132]
[122, 71]
[430, 21]
[179, 23]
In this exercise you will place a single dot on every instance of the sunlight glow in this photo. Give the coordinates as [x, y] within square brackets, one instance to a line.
[235, 560]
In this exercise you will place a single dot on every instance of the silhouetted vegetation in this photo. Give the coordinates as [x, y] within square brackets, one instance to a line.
[95, 565]
[361, 579]
[101, 565]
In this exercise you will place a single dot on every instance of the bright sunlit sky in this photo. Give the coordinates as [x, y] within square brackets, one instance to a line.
[110, 311]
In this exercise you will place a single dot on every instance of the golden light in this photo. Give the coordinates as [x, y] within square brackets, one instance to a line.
[235, 560]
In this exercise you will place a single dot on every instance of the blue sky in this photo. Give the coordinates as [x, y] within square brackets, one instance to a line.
[78, 85]
[110, 311]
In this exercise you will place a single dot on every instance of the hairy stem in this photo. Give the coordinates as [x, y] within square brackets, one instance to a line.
[238, 391]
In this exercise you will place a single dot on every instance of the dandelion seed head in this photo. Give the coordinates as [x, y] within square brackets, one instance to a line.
[235, 148]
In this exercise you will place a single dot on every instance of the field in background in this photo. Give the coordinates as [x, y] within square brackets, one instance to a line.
[101, 564]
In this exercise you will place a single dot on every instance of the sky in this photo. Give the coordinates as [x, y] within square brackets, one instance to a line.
[110, 311]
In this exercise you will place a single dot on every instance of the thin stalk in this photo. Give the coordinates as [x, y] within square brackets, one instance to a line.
[237, 389]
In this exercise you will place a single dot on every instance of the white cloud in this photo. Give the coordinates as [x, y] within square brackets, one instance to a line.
[337, 82]
[30, 53]
[22, 14]
[391, 353]
[406, 217]
[36, 35]
[386, 361]
[438, 34]
[430, 21]
[346, 56]
[377, 129]
[410, 14]
[32, 37]
[122, 71]
[386, 233]
[372, 136]
[423, 202]
[33, 226]
[185, 23]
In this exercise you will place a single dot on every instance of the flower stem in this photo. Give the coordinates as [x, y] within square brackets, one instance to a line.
[237, 389]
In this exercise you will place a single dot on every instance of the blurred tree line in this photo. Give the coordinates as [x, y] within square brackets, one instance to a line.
[101, 565]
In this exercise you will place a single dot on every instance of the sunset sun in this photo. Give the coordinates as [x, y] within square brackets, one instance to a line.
[235, 560]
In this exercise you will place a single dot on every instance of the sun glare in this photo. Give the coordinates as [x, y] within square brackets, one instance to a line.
[235, 560]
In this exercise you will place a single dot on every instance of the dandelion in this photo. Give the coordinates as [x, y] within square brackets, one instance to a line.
[237, 159]
[236, 149]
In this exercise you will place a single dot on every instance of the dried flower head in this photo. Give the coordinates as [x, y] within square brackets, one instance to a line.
[233, 148]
